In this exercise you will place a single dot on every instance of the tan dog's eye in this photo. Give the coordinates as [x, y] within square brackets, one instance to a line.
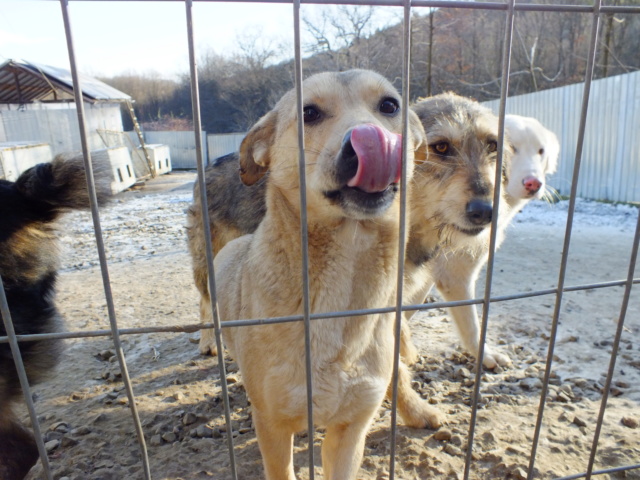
[541, 151]
[311, 114]
[442, 148]
[389, 106]
[492, 146]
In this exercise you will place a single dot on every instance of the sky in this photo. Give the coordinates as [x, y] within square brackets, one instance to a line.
[123, 37]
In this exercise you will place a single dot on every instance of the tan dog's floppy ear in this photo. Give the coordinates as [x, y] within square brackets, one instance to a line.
[254, 149]
[420, 145]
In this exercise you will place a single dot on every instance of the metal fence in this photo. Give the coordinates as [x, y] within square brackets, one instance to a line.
[596, 11]
[182, 146]
[611, 151]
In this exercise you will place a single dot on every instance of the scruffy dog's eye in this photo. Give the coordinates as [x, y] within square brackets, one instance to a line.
[311, 114]
[492, 146]
[389, 106]
[442, 148]
[541, 151]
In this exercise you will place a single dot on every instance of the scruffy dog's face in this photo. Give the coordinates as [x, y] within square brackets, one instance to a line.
[453, 189]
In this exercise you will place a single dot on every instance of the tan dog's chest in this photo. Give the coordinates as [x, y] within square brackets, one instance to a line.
[349, 368]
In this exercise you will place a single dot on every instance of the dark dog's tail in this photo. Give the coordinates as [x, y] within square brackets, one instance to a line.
[61, 185]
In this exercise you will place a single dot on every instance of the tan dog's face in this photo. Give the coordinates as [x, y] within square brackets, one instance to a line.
[459, 176]
[352, 127]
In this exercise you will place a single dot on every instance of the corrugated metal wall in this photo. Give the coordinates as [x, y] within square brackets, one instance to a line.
[610, 168]
[222, 144]
[182, 146]
[57, 124]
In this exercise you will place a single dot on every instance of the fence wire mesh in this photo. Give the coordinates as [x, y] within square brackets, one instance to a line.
[596, 10]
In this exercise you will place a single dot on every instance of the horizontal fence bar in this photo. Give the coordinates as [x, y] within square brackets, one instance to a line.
[601, 472]
[427, 3]
[191, 328]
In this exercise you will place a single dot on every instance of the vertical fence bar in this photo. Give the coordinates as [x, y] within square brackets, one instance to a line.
[504, 92]
[77, 92]
[406, 52]
[304, 232]
[614, 349]
[24, 381]
[197, 123]
[567, 238]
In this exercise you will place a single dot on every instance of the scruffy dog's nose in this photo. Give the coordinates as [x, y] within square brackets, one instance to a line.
[479, 212]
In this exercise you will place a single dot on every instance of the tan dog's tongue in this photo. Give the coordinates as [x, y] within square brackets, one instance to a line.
[379, 158]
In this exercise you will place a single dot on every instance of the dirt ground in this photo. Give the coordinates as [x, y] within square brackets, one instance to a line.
[83, 408]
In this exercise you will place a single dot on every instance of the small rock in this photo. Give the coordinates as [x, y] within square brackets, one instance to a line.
[84, 430]
[62, 427]
[456, 440]
[622, 384]
[519, 473]
[67, 442]
[169, 437]
[579, 422]
[99, 418]
[630, 422]
[442, 435]
[178, 397]
[453, 450]
[204, 431]
[51, 445]
[530, 383]
[155, 441]
[189, 418]
[461, 372]
[105, 355]
[52, 436]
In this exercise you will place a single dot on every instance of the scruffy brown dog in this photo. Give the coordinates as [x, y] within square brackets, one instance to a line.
[29, 209]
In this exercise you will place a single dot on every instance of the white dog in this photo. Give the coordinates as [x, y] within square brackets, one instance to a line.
[536, 151]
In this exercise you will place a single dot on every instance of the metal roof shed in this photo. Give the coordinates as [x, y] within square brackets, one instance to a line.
[37, 105]
[24, 82]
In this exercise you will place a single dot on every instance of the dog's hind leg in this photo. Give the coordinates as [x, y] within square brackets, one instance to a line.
[343, 448]
[414, 410]
[18, 450]
[408, 350]
[275, 440]
[207, 345]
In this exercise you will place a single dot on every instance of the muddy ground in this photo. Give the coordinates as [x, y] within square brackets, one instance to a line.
[83, 408]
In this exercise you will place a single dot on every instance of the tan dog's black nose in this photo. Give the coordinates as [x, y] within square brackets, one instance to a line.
[479, 212]
[347, 159]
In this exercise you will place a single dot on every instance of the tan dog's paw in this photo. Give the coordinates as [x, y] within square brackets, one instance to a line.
[492, 359]
[207, 344]
[422, 415]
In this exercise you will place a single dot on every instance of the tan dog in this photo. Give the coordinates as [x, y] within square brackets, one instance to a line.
[353, 160]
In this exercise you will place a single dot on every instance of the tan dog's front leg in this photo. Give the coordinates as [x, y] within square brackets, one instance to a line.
[343, 448]
[276, 446]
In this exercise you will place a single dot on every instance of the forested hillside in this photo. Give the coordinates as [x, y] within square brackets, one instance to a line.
[452, 49]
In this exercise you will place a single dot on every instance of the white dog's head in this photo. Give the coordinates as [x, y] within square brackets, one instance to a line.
[536, 151]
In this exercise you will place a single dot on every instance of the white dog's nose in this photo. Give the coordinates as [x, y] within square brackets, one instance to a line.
[531, 184]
